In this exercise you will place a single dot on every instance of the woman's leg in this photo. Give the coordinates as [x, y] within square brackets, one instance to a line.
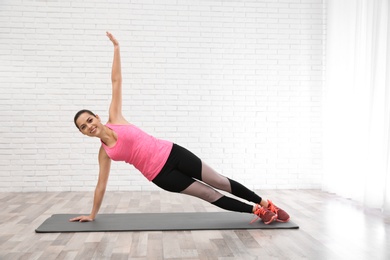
[202, 191]
[176, 181]
[218, 181]
[214, 179]
[205, 192]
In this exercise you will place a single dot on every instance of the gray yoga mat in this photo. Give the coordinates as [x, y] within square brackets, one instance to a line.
[59, 223]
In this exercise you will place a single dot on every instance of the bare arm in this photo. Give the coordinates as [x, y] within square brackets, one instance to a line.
[104, 171]
[115, 112]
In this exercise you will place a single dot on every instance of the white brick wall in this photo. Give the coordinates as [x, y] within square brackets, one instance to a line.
[237, 82]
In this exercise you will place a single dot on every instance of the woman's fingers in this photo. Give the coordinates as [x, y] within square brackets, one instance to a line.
[74, 219]
[81, 219]
[112, 38]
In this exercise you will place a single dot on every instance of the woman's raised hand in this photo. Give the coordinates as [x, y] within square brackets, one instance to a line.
[112, 39]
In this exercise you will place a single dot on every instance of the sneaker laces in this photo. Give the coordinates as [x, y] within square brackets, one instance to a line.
[272, 207]
[258, 213]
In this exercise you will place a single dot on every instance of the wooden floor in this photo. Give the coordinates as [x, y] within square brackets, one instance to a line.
[330, 228]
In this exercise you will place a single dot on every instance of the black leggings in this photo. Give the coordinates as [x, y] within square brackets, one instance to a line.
[180, 170]
[183, 168]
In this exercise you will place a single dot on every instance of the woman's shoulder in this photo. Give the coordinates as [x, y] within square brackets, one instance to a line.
[118, 122]
[115, 124]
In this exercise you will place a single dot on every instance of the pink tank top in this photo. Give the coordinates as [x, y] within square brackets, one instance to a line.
[147, 153]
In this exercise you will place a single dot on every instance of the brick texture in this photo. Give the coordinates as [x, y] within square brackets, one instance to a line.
[239, 83]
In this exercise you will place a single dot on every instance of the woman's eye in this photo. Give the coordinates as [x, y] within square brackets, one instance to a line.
[90, 120]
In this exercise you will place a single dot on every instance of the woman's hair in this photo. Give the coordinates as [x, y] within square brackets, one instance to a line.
[78, 114]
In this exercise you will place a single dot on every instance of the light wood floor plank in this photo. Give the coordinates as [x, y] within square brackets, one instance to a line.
[330, 228]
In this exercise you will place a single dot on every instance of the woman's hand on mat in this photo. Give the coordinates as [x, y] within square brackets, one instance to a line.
[112, 39]
[82, 219]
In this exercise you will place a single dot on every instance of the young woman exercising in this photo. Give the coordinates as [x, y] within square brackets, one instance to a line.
[168, 165]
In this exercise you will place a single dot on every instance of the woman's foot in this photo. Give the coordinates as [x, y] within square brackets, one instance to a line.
[266, 215]
[282, 215]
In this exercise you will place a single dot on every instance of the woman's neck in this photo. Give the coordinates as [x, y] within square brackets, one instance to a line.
[108, 136]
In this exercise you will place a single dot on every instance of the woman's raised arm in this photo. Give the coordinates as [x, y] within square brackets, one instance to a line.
[115, 111]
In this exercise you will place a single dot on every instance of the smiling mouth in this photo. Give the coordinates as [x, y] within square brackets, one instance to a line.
[93, 130]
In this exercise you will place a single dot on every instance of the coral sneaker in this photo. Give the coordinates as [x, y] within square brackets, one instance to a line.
[266, 216]
[282, 215]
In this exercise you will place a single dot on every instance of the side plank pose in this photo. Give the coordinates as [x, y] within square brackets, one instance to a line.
[168, 165]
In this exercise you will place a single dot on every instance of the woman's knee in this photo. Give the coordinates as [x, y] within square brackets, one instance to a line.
[202, 191]
[213, 178]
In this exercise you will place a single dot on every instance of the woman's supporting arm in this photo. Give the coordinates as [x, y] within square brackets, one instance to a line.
[104, 171]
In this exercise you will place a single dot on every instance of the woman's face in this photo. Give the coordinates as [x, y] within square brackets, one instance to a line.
[88, 124]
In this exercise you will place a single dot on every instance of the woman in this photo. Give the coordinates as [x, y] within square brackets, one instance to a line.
[169, 166]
